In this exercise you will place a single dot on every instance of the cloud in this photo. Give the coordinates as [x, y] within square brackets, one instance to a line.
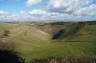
[60, 10]
[88, 11]
[72, 9]
[35, 11]
[67, 6]
[41, 15]
[32, 2]
[5, 16]
[34, 15]
[3, 12]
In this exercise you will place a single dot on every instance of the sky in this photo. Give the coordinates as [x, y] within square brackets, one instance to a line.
[51, 10]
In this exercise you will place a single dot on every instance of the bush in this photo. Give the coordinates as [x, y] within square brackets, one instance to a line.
[6, 33]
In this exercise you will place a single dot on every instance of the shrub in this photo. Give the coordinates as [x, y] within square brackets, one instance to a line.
[6, 33]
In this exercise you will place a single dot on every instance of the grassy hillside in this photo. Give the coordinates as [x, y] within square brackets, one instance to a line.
[32, 43]
[63, 29]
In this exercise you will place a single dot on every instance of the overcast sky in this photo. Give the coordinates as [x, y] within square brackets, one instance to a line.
[38, 10]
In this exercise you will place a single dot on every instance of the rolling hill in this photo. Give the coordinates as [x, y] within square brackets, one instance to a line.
[66, 39]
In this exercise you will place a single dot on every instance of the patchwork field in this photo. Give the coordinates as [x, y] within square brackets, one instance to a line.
[35, 41]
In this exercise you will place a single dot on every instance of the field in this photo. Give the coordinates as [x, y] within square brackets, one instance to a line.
[34, 42]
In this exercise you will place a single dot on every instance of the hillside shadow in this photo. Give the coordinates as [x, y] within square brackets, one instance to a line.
[69, 32]
[10, 57]
[58, 34]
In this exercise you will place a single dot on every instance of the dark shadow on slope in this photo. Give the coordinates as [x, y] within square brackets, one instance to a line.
[58, 34]
[68, 32]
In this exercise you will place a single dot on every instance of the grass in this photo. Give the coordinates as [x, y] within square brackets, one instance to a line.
[35, 45]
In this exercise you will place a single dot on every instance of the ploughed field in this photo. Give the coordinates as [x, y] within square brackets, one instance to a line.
[43, 40]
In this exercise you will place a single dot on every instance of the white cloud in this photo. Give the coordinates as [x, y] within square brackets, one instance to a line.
[37, 12]
[88, 11]
[37, 15]
[3, 12]
[67, 5]
[65, 10]
[32, 2]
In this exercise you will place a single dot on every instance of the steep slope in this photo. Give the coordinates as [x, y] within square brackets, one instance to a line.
[71, 31]
[58, 31]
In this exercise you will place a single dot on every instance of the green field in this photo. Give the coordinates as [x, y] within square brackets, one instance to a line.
[33, 43]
